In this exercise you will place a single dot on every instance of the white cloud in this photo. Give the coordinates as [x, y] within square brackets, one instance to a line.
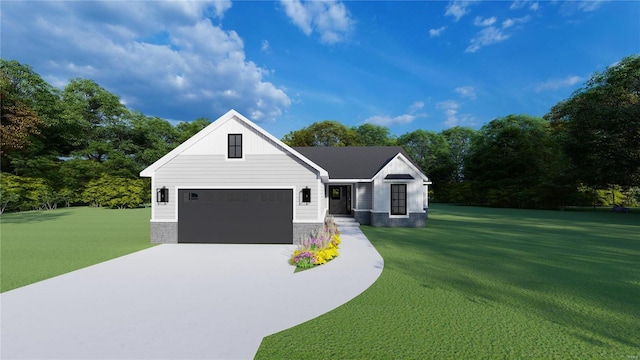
[555, 84]
[513, 21]
[466, 92]
[221, 6]
[437, 32]
[386, 120]
[487, 36]
[329, 18]
[518, 4]
[589, 5]
[450, 109]
[264, 46]
[457, 9]
[569, 8]
[165, 58]
[479, 21]
[416, 106]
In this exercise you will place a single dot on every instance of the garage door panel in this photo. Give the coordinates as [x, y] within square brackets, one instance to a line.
[235, 216]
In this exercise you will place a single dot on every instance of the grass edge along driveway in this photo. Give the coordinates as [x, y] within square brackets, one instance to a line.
[488, 283]
[38, 245]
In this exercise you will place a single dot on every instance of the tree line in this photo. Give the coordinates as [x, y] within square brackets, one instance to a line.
[82, 145]
[78, 145]
[585, 151]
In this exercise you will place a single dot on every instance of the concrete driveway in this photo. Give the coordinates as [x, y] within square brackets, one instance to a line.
[180, 301]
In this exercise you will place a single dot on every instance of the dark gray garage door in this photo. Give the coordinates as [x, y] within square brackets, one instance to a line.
[243, 216]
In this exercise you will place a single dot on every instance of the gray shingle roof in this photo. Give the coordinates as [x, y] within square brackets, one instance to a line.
[351, 162]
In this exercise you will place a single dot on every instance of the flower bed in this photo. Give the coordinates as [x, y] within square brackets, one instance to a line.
[321, 247]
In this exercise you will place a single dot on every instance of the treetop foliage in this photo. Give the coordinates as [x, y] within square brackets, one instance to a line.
[69, 145]
[599, 126]
[65, 139]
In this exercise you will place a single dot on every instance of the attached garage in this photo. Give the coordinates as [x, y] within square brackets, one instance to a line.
[235, 216]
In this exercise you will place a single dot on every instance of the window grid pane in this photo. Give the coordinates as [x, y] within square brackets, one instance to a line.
[235, 146]
[398, 199]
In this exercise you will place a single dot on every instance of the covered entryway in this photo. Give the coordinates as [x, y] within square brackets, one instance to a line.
[340, 199]
[235, 216]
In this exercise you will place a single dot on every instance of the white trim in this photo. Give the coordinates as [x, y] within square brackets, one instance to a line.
[154, 201]
[340, 181]
[387, 212]
[163, 221]
[402, 181]
[308, 221]
[409, 163]
[320, 201]
[231, 114]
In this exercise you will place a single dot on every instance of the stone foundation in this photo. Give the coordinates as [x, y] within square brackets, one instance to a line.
[414, 220]
[164, 232]
[302, 231]
[362, 216]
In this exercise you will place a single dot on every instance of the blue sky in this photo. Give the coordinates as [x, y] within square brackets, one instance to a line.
[405, 64]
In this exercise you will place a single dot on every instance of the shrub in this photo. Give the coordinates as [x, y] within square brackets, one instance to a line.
[319, 248]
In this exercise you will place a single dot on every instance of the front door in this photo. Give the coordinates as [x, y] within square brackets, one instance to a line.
[340, 199]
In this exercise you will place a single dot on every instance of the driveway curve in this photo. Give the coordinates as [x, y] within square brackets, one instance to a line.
[183, 301]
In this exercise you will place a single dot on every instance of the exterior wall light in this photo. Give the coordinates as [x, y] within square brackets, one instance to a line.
[162, 195]
[306, 195]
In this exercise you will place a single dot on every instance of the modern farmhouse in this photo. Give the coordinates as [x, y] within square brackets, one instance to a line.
[233, 182]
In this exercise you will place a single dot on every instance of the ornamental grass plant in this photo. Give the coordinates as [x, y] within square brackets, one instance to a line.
[320, 247]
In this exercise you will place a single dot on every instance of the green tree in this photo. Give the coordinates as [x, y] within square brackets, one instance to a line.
[324, 133]
[100, 115]
[431, 153]
[185, 130]
[18, 121]
[115, 192]
[516, 162]
[373, 135]
[32, 124]
[26, 193]
[459, 139]
[600, 126]
[9, 191]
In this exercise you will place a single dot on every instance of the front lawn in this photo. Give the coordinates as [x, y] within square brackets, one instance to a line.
[489, 283]
[37, 245]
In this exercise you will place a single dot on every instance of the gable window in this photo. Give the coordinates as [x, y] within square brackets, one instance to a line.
[235, 146]
[398, 199]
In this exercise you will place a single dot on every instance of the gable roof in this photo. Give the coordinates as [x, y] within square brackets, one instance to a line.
[231, 114]
[353, 162]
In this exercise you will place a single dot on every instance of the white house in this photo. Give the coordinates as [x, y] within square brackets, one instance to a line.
[233, 182]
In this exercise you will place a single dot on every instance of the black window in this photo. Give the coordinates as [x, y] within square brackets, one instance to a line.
[398, 199]
[235, 146]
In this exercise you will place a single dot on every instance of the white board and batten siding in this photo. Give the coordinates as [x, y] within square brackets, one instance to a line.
[364, 196]
[415, 188]
[264, 165]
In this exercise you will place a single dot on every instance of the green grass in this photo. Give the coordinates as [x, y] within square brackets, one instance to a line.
[38, 245]
[489, 283]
